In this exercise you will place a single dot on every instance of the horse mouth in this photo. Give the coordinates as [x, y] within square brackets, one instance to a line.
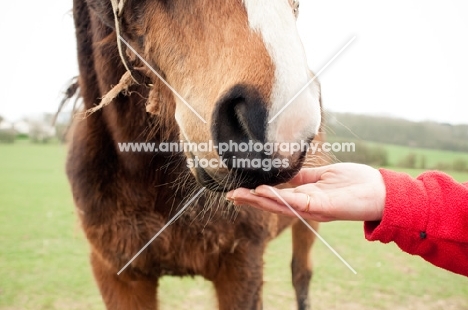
[224, 180]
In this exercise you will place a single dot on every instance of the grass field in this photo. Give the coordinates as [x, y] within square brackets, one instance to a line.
[44, 264]
[432, 157]
[396, 154]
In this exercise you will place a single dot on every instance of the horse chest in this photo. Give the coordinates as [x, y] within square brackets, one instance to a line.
[192, 245]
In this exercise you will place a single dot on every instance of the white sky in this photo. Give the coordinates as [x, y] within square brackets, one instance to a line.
[409, 58]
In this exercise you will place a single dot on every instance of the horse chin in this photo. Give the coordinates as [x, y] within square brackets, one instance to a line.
[205, 180]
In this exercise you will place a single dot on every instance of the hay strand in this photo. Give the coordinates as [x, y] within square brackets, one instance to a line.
[122, 87]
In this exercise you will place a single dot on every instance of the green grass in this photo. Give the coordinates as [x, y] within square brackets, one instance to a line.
[457, 175]
[44, 257]
[432, 157]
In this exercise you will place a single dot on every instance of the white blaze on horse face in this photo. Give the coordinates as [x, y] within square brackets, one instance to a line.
[275, 21]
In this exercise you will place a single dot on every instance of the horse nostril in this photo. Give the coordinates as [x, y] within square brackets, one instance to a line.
[239, 125]
[251, 120]
[240, 116]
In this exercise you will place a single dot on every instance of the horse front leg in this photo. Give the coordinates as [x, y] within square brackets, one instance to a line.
[239, 280]
[122, 293]
[301, 265]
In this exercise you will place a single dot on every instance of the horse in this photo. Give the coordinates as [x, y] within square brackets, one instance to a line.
[200, 70]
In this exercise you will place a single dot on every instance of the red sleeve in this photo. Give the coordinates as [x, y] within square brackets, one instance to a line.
[427, 216]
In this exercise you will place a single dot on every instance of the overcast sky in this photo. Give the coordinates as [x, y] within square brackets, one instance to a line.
[408, 60]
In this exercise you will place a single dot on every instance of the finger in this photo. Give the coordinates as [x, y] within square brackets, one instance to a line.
[298, 201]
[243, 196]
[308, 175]
[265, 191]
[267, 198]
[266, 204]
[250, 196]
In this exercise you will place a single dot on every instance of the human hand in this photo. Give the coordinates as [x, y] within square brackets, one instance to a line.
[344, 191]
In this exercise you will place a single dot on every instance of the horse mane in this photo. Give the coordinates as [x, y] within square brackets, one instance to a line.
[158, 105]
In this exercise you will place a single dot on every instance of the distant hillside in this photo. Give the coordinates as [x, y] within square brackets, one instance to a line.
[398, 131]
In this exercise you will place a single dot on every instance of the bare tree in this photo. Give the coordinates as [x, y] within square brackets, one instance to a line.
[41, 130]
[7, 132]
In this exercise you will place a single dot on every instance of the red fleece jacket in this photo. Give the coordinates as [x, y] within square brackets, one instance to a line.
[426, 216]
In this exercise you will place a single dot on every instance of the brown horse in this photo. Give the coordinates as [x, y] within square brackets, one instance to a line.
[236, 64]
